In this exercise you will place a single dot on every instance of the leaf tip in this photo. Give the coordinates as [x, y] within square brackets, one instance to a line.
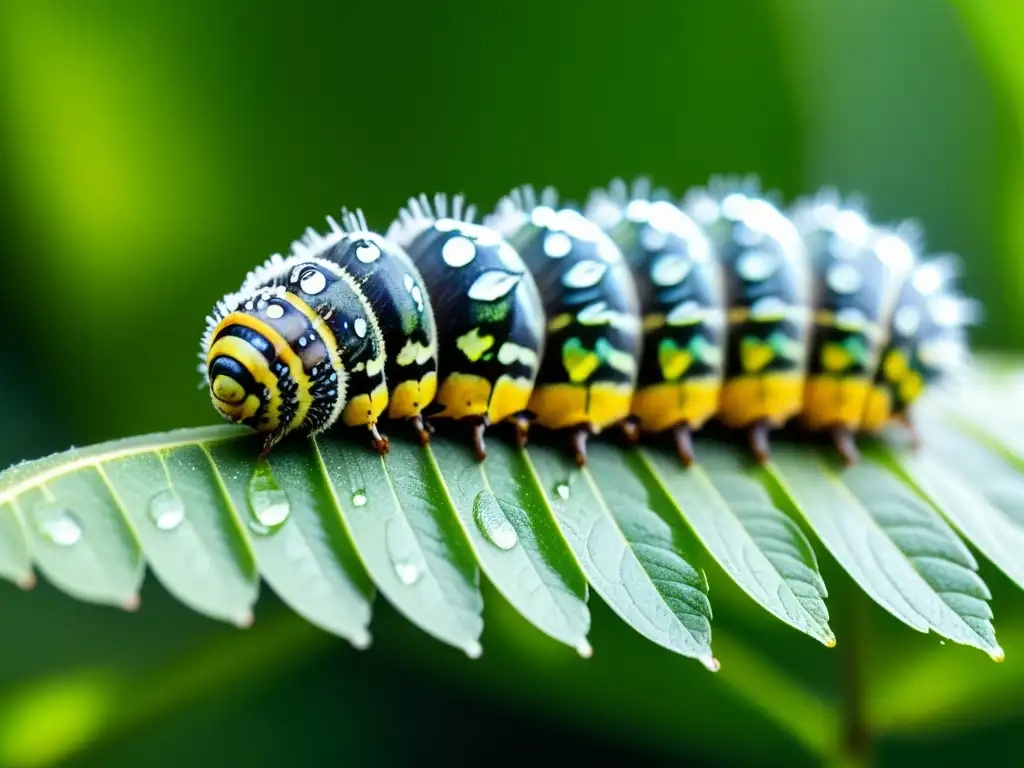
[829, 640]
[245, 620]
[474, 650]
[132, 603]
[997, 654]
[361, 640]
[28, 581]
[710, 663]
[584, 649]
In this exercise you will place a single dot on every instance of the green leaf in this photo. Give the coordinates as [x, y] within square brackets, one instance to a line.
[15, 559]
[297, 536]
[631, 544]
[79, 538]
[512, 531]
[408, 537]
[978, 490]
[175, 506]
[756, 543]
[891, 542]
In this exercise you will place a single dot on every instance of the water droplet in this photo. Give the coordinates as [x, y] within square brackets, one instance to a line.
[562, 490]
[58, 524]
[584, 649]
[362, 640]
[409, 573]
[711, 663]
[245, 621]
[267, 502]
[942, 642]
[27, 582]
[166, 510]
[474, 650]
[359, 499]
[491, 520]
[131, 603]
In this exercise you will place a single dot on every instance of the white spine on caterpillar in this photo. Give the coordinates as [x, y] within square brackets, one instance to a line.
[421, 213]
[228, 304]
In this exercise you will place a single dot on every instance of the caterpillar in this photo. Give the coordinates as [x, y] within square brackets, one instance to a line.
[637, 310]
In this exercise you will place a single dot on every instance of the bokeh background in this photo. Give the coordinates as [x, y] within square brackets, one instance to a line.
[151, 153]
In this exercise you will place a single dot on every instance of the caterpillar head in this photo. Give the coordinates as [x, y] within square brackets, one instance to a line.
[268, 359]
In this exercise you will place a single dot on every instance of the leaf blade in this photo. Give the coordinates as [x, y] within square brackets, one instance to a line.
[896, 547]
[756, 543]
[635, 555]
[172, 500]
[528, 561]
[408, 538]
[303, 553]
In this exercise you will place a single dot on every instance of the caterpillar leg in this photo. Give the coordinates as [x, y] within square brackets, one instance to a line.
[378, 441]
[631, 430]
[579, 442]
[905, 420]
[423, 430]
[522, 425]
[684, 444]
[757, 436]
[478, 437]
[846, 444]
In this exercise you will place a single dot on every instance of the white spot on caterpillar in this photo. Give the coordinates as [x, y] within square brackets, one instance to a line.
[598, 313]
[670, 269]
[367, 253]
[408, 282]
[769, 308]
[851, 319]
[360, 327]
[312, 281]
[417, 296]
[374, 367]
[557, 245]
[584, 274]
[843, 278]
[493, 285]
[458, 252]
[684, 313]
[414, 352]
[275, 311]
[756, 266]
[510, 353]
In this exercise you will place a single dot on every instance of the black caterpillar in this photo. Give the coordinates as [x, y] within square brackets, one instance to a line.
[636, 310]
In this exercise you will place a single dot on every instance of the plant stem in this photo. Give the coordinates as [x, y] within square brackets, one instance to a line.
[854, 747]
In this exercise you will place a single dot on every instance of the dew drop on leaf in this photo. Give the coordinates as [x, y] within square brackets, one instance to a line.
[57, 524]
[166, 510]
[267, 502]
[359, 499]
[491, 520]
[562, 491]
[408, 573]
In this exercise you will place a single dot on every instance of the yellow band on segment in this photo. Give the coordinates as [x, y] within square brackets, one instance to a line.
[565, 405]
[284, 353]
[830, 401]
[253, 361]
[462, 395]
[333, 353]
[774, 397]
[878, 410]
[366, 409]
[411, 397]
[662, 406]
[510, 396]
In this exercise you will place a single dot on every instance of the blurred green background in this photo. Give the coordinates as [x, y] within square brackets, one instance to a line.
[152, 153]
